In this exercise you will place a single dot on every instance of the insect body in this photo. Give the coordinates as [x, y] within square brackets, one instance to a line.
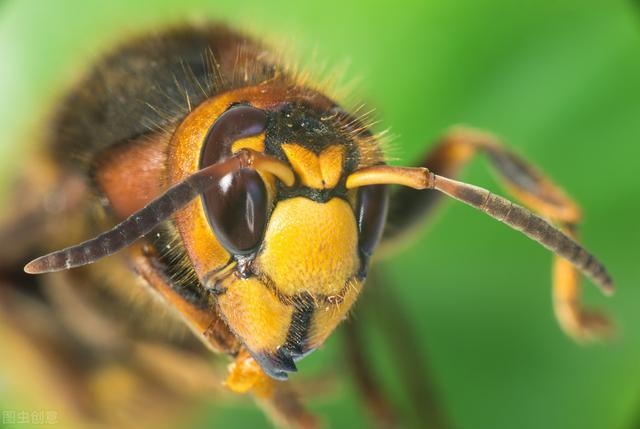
[260, 200]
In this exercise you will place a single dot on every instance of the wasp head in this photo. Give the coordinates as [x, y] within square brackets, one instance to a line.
[284, 264]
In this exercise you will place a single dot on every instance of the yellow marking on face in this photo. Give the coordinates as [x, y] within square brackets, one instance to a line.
[306, 165]
[310, 246]
[327, 316]
[254, 143]
[255, 314]
[318, 172]
[331, 160]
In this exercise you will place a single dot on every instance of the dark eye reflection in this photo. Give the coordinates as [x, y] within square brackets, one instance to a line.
[239, 214]
[237, 207]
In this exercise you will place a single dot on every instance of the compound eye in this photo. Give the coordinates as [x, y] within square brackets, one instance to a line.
[239, 214]
[237, 207]
[371, 214]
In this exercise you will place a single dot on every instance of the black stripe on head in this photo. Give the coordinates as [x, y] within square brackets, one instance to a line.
[300, 323]
[282, 361]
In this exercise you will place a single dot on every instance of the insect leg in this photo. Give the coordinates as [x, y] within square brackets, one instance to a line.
[408, 207]
[198, 316]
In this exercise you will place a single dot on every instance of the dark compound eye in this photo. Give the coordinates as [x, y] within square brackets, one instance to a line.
[237, 207]
[240, 213]
[371, 214]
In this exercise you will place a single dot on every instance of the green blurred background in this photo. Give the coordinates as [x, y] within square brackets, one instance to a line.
[559, 80]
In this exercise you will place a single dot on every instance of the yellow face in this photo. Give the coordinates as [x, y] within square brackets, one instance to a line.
[285, 295]
[304, 282]
[304, 278]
